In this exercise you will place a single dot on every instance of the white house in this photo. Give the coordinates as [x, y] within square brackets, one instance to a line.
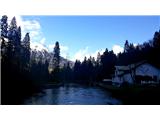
[139, 73]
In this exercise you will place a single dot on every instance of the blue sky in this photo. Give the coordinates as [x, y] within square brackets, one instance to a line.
[81, 36]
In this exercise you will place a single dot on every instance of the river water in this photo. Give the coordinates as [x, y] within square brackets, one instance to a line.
[72, 95]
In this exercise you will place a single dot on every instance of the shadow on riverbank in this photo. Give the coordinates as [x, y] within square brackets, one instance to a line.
[135, 95]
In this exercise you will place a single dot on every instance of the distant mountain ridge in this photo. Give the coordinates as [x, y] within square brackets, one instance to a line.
[44, 55]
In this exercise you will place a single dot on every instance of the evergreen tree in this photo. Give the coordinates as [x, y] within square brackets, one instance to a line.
[126, 46]
[56, 60]
[25, 53]
[18, 42]
[156, 39]
[4, 26]
[98, 58]
[76, 70]
[56, 57]
[12, 32]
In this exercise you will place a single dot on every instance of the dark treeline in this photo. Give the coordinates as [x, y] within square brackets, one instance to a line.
[91, 71]
[26, 71]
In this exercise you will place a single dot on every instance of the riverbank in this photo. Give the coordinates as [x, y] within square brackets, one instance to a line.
[135, 95]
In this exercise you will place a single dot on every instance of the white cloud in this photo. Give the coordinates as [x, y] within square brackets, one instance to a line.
[64, 51]
[43, 41]
[134, 44]
[33, 27]
[64, 48]
[32, 24]
[38, 46]
[32, 33]
[50, 47]
[96, 52]
[86, 53]
[117, 49]
[81, 54]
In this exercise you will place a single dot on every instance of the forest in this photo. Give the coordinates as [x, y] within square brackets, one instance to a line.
[25, 71]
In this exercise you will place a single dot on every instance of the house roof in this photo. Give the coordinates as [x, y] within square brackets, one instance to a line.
[122, 67]
[129, 66]
[106, 80]
[127, 69]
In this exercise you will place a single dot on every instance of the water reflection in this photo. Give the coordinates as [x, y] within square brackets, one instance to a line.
[72, 95]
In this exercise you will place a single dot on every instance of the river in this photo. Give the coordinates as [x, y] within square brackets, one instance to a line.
[72, 95]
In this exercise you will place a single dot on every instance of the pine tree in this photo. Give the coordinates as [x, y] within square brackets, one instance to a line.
[126, 46]
[4, 26]
[98, 58]
[12, 32]
[156, 39]
[26, 41]
[26, 51]
[13, 24]
[56, 57]
[17, 44]
[77, 70]
[18, 36]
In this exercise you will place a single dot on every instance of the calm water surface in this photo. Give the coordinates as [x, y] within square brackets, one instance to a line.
[72, 95]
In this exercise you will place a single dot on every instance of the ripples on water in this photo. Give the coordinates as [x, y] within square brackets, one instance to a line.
[72, 95]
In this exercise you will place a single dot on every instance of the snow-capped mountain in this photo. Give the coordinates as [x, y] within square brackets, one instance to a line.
[40, 52]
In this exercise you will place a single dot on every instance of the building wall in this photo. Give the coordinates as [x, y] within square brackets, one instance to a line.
[149, 70]
[143, 70]
[116, 80]
[128, 78]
